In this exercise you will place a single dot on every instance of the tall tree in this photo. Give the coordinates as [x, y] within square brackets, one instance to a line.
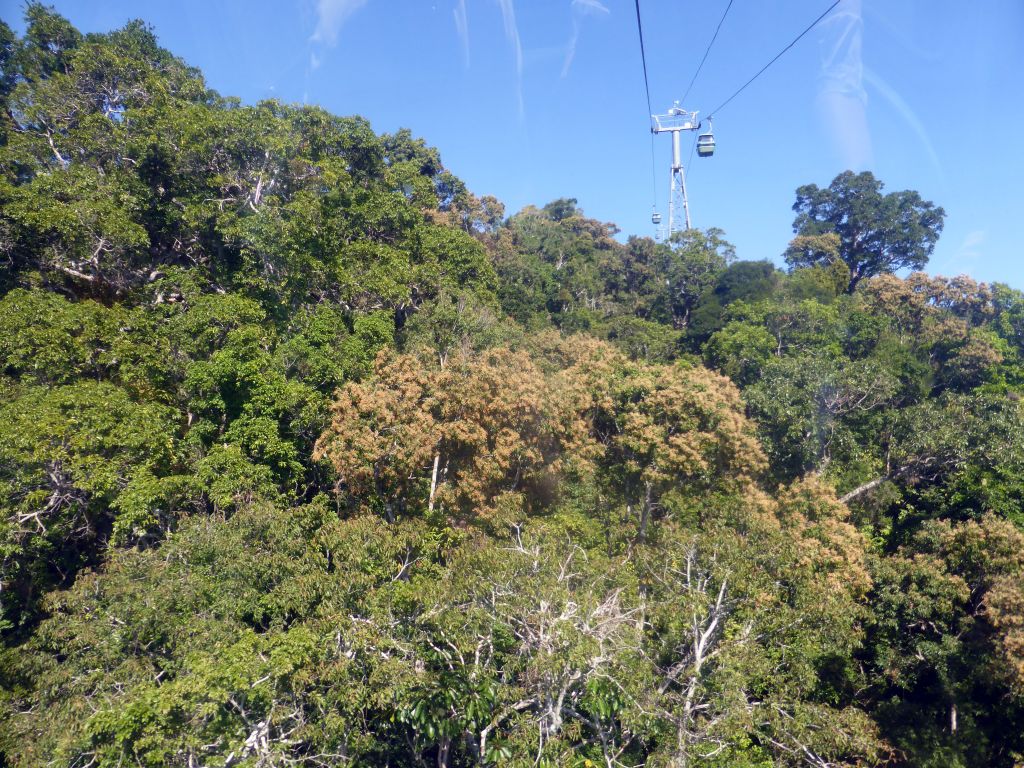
[878, 233]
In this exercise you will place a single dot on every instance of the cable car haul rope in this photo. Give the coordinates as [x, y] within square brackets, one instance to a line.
[679, 119]
[778, 56]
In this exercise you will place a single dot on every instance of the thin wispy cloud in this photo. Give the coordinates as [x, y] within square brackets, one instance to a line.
[508, 16]
[331, 15]
[580, 9]
[963, 259]
[842, 99]
[462, 28]
[970, 248]
[903, 109]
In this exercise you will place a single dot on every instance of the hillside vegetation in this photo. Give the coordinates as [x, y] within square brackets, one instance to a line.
[311, 457]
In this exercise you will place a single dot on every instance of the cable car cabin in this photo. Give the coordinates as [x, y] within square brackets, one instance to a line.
[706, 145]
[656, 218]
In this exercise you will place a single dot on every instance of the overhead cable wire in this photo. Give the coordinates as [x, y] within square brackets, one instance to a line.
[778, 56]
[647, 90]
[706, 52]
[654, 175]
[643, 58]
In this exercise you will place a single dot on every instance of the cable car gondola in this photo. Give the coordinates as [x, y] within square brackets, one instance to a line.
[706, 145]
[706, 142]
[655, 218]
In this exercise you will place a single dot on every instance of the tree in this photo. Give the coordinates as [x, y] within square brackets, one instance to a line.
[878, 233]
[458, 438]
[79, 464]
[748, 281]
[597, 552]
[947, 645]
[664, 281]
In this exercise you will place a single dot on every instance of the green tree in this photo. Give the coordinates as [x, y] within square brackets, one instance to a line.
[947, 644]
[79, 464]
[747, 281]
[878, 233]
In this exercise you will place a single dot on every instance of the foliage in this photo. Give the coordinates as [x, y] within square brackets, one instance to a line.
[948, 635]
[79, 462]
[310, 456]
[877, 233]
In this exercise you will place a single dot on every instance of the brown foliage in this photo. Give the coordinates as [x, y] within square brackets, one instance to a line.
[481, 418]
[831, 544]
[919, 298]
[1004, 606]
[943, 314]
[497, 429]
[382, 432]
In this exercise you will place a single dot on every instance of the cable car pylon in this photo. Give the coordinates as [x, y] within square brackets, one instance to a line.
[675, 121]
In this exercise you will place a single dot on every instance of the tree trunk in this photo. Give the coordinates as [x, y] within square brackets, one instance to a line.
[862, 489]
[433, 482]
[645, 513]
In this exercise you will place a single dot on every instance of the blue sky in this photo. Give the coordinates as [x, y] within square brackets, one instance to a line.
[531, 100]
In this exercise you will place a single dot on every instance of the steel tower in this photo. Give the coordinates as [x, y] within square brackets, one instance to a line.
[675, 122]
